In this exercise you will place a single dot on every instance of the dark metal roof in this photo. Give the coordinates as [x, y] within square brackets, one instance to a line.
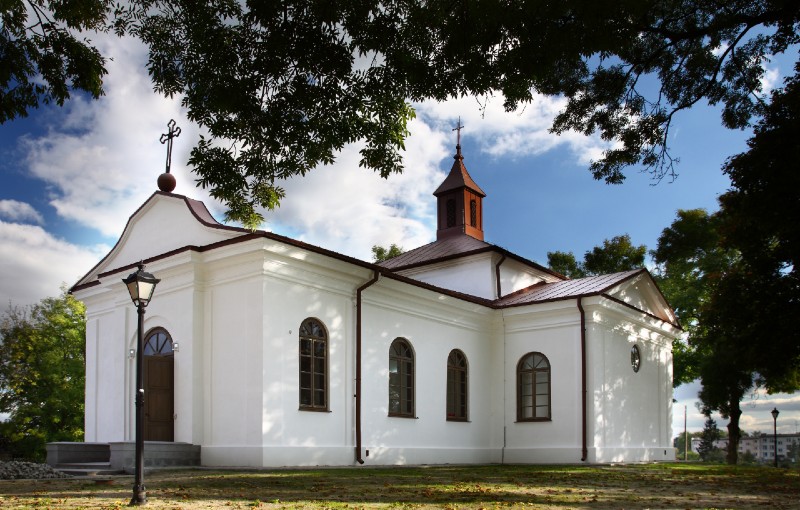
[458, 177]
[459, 246]
[436, 251]
[590, 286]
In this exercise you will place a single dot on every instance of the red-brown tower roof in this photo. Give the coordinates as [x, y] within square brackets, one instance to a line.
[459, 203]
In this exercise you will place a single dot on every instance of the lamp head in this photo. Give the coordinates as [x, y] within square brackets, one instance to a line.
[775, 413]
[141, 285]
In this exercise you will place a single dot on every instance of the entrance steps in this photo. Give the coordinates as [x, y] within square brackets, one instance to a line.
[100, 459]
[87, 469]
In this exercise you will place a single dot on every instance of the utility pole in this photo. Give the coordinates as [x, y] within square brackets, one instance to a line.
[685, 437]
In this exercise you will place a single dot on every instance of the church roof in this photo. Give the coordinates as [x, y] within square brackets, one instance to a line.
[581, 287]
[458, 177]
[452, 248]
[443, 249]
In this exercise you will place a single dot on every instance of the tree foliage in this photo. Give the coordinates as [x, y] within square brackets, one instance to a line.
[42, 56]
[379, 253]
[42, 373]
[761, 212]
[709, 435]
[734, 274]
[692, 264]
[615, 255]
[282, 86]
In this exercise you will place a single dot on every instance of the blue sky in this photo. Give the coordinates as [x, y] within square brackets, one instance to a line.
[70, 178]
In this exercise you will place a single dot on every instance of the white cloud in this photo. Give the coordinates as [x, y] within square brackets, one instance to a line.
[770, 80]
[101, 158]
[511, 134]
[35, 264]
[349, 209]
[756, 408]
[19, 212]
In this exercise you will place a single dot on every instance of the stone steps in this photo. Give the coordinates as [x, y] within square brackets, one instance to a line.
[100, 459]
[89, 469]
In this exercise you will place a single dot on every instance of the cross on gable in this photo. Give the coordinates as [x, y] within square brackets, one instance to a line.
[458, 128]
[173, 132]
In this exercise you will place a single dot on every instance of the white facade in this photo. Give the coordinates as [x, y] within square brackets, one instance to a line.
[233, 301]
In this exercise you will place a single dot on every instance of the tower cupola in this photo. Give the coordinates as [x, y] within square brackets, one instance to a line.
[459, 201]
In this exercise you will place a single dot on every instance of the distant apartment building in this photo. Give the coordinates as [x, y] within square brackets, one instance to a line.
[761, 445]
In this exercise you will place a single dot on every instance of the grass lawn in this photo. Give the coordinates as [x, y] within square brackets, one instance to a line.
[468, 487]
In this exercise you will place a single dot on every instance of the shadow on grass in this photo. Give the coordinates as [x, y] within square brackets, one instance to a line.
[639, 486]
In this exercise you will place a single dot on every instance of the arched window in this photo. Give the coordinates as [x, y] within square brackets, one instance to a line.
[473, 213]
[456, 386]
[533, 388]
[313, 366]
[158, 343]
[450, 205]
[401, 379]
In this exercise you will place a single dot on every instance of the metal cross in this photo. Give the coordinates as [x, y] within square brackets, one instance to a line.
[174, 132]
[458, 128]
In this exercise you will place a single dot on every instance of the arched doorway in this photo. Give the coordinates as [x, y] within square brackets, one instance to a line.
[159, 400]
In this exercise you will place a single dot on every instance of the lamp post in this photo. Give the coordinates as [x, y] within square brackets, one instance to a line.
[140, 286]
[775, 414]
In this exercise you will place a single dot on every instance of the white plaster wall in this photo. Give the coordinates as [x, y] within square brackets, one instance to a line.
[473, 275]
[554, 330]
[433, 330]
[234, 372]
[106, 355]
[631, 410]
[515, 276]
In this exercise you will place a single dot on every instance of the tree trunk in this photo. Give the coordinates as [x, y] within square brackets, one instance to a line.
[733, 432]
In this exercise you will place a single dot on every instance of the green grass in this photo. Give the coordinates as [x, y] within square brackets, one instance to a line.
[449, 487]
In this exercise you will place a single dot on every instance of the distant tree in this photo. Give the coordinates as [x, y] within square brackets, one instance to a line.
[615, 255]
[708, 437]
[379, 253]
[680, 444]
[566, 264]
[42, 367]
[747, 458]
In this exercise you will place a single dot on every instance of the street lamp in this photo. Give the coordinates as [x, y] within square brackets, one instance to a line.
[775, 414]
[140, 286]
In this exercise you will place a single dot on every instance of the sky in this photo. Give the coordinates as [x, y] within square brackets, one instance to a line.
[71, 177]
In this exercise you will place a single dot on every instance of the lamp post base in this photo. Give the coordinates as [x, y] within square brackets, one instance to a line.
[139, 496]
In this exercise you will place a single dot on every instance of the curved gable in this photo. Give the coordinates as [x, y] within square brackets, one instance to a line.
[164, 223]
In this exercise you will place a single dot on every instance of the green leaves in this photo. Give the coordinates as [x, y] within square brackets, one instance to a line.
[42, 372]
[42, 60]
[617, 254]
[379, 253]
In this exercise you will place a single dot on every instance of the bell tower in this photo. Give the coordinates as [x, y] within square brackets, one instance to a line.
[459, 201]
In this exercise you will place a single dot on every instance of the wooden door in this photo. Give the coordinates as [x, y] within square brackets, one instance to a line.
[159, 408]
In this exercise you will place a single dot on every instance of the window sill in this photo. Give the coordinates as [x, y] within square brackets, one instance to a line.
[313, 410]
[533, 420]
[459, 420]
[406, 416]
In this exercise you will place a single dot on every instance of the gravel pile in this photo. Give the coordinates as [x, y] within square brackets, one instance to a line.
[14, 470]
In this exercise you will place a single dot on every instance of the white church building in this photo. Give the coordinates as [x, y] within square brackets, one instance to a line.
[267, 351]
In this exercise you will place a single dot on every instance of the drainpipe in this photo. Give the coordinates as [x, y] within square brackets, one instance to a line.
[584, 449]
[357, 396]
[497, 274]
